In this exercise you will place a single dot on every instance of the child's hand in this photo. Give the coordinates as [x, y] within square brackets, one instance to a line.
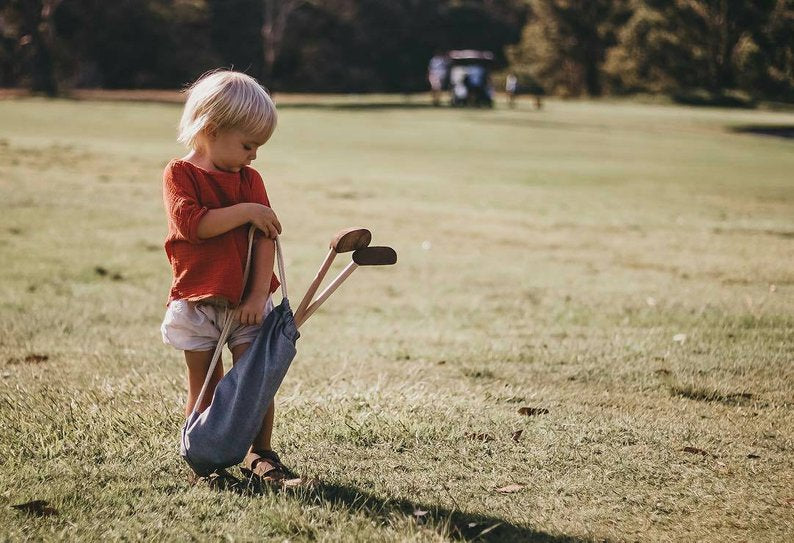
[251, 309]
[265, 219]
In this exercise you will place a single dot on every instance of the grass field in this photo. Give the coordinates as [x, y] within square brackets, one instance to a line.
[625, 271]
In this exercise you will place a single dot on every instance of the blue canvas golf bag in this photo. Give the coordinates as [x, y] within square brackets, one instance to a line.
[221, 435]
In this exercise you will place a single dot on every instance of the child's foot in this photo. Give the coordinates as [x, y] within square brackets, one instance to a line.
[266, 467]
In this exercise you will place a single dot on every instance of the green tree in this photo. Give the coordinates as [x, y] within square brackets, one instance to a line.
[768, 64]
[564, 44]
[342, 45]
[133, 43]
[371, 45]
[684, 45]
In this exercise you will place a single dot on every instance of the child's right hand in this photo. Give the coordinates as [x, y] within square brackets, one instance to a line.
[265, 219]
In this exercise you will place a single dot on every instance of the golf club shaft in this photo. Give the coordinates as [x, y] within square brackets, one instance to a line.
[327, 292]
[307, 298]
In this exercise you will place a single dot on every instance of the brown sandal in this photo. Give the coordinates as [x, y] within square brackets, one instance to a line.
[265, 466]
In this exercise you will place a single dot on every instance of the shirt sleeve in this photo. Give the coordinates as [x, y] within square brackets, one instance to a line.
[181, 203]
[258, 192]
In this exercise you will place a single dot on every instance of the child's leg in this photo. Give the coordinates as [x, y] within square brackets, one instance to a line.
[198, 362]
[262, 439]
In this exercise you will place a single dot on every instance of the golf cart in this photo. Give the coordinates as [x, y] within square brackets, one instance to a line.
[469, 78]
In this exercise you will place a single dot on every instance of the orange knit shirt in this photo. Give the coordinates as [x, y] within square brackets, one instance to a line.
[212, 267]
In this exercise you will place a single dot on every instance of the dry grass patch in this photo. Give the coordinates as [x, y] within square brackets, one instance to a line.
[587, 336]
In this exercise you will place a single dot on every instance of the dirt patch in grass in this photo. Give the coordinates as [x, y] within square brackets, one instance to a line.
[532, 411]
[33, 358]
[711, 395]
[786, 234]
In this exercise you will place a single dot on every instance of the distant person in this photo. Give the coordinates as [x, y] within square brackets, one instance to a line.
[478, 87]
[437, 71]
[467, 84]
[511, 87]
[457, 82]
[211, 195]
[476, 84]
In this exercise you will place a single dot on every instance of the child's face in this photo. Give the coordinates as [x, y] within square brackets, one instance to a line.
[230, 150]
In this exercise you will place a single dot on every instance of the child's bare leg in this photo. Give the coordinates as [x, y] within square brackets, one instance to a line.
[262, 439]
[198, 362]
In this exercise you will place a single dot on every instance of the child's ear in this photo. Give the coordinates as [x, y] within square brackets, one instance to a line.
[211, 130]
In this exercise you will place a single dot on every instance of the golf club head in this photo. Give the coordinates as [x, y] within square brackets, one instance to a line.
[375, 256]
[351, 239]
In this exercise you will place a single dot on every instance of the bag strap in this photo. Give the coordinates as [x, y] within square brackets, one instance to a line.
[282, 274]
[229, 318]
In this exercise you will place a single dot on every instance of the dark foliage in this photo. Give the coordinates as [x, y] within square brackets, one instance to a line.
[700, 51]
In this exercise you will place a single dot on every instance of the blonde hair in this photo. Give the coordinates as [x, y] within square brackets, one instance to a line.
[227, 100]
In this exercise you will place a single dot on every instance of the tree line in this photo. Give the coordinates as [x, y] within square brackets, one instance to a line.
[714, 49]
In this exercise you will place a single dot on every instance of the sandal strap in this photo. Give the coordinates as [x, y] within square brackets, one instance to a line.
[271, 466]
[268, 457]
[272, 459]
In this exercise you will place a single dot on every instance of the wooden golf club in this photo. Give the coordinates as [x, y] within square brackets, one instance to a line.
[344, 241]
[367, 256]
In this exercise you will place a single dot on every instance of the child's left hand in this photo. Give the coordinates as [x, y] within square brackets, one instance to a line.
[251, 308]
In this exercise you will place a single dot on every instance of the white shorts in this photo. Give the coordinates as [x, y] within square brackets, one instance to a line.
[196, 326]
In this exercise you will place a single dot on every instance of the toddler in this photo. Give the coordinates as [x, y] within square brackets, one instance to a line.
[211, 196]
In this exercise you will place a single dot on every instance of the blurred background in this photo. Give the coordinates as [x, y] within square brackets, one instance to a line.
[726, 52]
[593, 304]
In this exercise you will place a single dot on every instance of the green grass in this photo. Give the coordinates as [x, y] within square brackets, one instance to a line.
[546, 260]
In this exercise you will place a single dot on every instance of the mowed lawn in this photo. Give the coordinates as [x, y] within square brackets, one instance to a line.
[589, 334]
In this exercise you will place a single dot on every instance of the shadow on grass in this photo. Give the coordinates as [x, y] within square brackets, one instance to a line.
[453, 523]
[773, 130]
[702, 394]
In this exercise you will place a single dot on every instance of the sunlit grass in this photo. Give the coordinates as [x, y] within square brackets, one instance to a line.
[627, 267]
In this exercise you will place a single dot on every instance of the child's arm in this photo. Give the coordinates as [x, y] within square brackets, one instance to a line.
[219, 221]
[253, 304]
[195, 222]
